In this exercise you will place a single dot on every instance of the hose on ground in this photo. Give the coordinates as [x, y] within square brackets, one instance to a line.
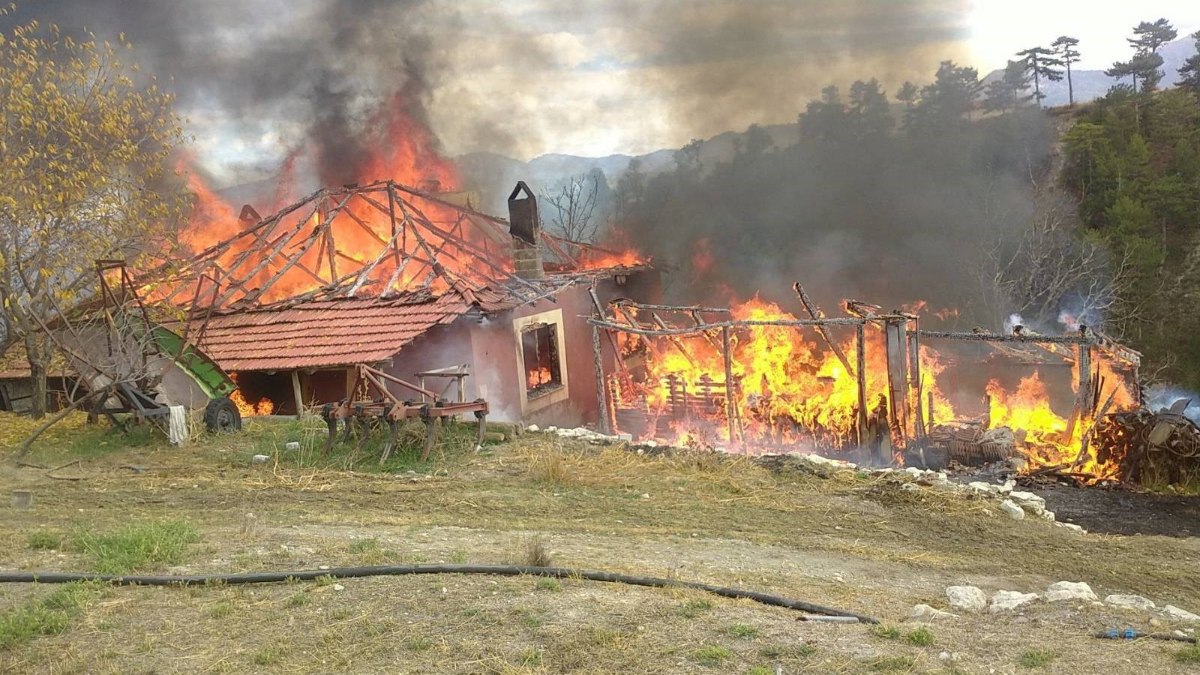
[1131, 634]
[400, 570]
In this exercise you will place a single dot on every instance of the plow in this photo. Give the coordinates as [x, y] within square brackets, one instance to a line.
[375, 406]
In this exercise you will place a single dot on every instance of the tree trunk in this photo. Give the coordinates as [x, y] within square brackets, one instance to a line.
[36, 356]
[1070, 87]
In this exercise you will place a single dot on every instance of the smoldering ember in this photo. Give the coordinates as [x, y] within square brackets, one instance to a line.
[887, 369]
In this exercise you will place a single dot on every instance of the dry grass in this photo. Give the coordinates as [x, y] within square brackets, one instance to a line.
[848, 541]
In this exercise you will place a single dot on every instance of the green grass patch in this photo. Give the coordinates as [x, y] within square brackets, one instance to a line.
[269, 656]
[44, 541]
[299, 599]
[531, 657]
[419, 644]
[893, 664]
[741, 630]
[547, 584]
[455, 443]
[886, 632]
[921, 637]
[1189, 655]
[712, 655]
[760, 670]
[138, 546]
[365, 545]
[1036, 658]
[694, 608]
[220, 610]
[48, 616]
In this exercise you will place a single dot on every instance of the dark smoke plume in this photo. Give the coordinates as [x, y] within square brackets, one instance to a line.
[259, 76]
[307, 72]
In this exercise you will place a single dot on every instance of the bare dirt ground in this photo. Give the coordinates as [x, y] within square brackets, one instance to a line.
[851, 541]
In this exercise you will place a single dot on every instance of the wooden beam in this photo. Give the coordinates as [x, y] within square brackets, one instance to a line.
[299, 396]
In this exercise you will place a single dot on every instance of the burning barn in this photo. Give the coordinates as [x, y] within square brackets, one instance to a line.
[450, 304]
[870, 385]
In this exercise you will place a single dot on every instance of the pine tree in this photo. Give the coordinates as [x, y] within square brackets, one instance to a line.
[1067, 53]
[1148, 37]
[1190, 72]
[1041, 63]
[1009, 91]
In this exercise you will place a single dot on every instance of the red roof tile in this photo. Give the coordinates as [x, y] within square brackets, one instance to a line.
[325, 333]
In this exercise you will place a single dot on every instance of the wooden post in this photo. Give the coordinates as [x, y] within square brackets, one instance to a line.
[861, 375]
[601, 399]
[816, 315]
[297, 394]
[730, 403]
[915, 383]
[1083, 365]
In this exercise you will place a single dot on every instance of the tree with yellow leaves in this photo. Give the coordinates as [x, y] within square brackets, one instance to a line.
[85, 173]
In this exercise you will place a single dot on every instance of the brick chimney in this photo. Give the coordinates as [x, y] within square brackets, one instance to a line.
[525, 227]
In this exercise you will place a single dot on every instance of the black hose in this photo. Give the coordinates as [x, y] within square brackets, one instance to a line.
[1130, 634]
[398, 570]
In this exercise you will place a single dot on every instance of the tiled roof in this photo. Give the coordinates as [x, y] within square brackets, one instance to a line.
[325, 333]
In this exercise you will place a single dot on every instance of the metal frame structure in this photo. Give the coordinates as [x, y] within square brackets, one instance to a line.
[386, 407]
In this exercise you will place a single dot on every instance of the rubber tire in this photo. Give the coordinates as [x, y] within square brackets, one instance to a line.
[221, 415]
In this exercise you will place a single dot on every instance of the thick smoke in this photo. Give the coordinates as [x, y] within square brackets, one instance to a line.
[258, 77]
[261, 80]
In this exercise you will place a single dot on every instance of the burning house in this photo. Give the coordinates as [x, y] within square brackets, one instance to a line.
[413, 284]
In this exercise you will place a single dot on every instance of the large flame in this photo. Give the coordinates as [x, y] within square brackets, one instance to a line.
[791, 391]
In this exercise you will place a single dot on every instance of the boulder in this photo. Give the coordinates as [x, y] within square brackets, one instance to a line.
[1129, 602]
[1015, 512]
[927, 613]
[1069, 590]
[966, 598]
[1006, 601]
[1029, 501]
[1175, 614]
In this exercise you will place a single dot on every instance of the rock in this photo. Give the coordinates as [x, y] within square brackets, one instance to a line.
[339, 587]
[551, 430]
[625, 438]
[982, 488]
[1129, 602]
[1073, 527]
[927, 613]
[913, 471]
[966, 598]
[259, 459]
[1047, 515]
[1008, 486]
[1029, 501]
[909, 487]
[1005, 601]
[1175, 614]
[533, 428]
[292, 446]
[947, 657]
[1015, 512]
[1069, 590]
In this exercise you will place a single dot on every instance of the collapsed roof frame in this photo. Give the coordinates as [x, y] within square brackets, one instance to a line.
[429, 243]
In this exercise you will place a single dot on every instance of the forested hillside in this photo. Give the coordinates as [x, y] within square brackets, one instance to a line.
[1133, 162]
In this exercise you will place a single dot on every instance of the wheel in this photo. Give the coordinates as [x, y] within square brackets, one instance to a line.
[221, 415]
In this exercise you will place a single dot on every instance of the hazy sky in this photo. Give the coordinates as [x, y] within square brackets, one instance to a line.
[1000, 27]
